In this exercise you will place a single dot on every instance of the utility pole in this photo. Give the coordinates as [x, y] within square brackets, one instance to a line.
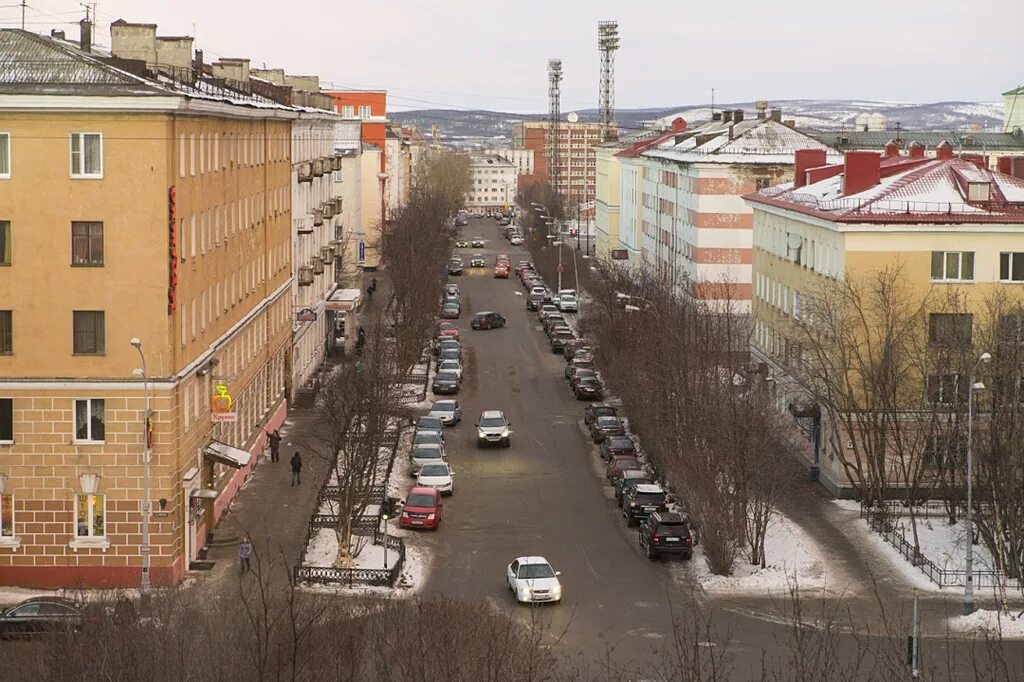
[23, 5]
[554, 121]
[147, 455]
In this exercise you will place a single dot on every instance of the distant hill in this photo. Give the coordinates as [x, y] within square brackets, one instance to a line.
[482, 128]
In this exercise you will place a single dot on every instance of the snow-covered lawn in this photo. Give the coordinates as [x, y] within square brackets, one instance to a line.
[1008, 626]
[323, 550]
[793, 559]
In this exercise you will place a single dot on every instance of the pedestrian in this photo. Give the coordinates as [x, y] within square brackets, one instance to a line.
[244, 553]
[369, 293]
[275, 445]
[373, 284]
[296, 469]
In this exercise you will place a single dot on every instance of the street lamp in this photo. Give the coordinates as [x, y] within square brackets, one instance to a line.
[384, 518]
[147, 454]
[969, 565]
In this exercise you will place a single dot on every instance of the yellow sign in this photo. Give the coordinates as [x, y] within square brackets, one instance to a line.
[221, 404]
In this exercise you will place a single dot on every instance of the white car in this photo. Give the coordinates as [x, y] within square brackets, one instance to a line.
[532, 580]
[448, 411]
[429, 438]
[453, 366]
[423, 455]
[438, 476]
[492, 427]
[568, 303]
[516, 240]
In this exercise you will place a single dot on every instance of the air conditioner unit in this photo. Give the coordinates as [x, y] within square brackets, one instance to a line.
[305, 275]
[318, 266]
[318, 216]
[327, 254]
[318, 168]
[305, 172]
[328, 209]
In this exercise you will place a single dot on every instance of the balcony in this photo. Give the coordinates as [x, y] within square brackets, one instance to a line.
[305, 172]
[303, 225]
[336, 162]
[305, 275]
[318, 265]
[318, 216]
[318, 168]
[327, 254]
[328, 209]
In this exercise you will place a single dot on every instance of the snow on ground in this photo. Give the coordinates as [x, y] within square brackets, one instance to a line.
[323, 550]
[793, 559]
[1008, 626]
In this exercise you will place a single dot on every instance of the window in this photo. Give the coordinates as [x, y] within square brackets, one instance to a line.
[90, 512]
[88, 332]
[5, 242]
[1011, 267]
[89, 419]
[6, 332]
[6, 420]
[5, 155]
[86, 155]
[951, 330]
[6, 516]
[1011, 329]
[364, 112]
[86, 243]
[945, 388]
[942, 450]
[957, 266]
[192, 154]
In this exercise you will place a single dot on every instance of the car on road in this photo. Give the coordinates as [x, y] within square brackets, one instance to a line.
[421, 508]
[666, 533]
[508, 231]
[452, 290]
[534, 301]
[642, 500]
[443, 343]
[429, 438]
[516, 239]
[421, 455]
[582, 373]
[561, 337]
[573, 365]
[478, 242]
[595, 410]
[451, 311]
[477, 261]
[493, 428]
[437, 476]
[568, 303]
[617, 446]
[523, 265]
[448, 411]
[621, 463]
[580, 346]
[445, 382]
[40, 616]
[504, 221]
[462, 244]
[430, 424]
[501, 271]
[588, 389]
[448, 330]
[453, 366]
[601, 427]
[450, 354]
[630, 478]
[455, 267]
[487, 320]
[532, 579]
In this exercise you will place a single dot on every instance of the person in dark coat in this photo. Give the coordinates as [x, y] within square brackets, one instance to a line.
[296, 469]
[275, 445]
[244, 554]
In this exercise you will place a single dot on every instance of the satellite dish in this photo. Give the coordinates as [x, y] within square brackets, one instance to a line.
[573, 117]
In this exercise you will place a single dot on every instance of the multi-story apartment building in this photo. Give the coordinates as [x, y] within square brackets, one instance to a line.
[174, 228]
[522, 159]
[493, 184]
[695, 227]
[946, 223]
[577, 165]
[398, 168]
[1013, 111]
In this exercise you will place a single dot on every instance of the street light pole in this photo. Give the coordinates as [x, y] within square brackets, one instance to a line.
[147, 454]
[969, 564]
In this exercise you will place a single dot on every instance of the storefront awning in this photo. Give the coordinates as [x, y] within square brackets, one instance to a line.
[205, 493]
[225, 454]
[344, 299]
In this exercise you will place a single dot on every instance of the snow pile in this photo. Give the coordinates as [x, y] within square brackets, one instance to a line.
[1008, 626]
[323, 551]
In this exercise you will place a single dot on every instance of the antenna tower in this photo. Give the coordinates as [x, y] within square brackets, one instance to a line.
[607, 44]
[554, 121]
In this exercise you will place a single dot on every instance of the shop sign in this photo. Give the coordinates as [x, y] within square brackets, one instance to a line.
[620, 254]
[221, 405]
[306, 315]
[172, 250]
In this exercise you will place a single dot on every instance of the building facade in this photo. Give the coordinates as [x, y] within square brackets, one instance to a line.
[493, 184]
[577, 168]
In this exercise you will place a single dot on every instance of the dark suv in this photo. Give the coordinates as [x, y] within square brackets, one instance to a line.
[595, 410]
[642, 500]
[617, 446]
[666, 533]
[561, 337]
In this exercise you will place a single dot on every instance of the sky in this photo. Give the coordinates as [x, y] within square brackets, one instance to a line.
[457, 54]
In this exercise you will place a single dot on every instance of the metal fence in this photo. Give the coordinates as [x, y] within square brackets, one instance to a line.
[358, 576]
[421, 376]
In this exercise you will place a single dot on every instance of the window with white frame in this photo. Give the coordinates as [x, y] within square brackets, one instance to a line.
[86, 155]
[90, 515]
[953, 266]
[364, 111]
[90, 420]
[1011, 266]
[5, 155]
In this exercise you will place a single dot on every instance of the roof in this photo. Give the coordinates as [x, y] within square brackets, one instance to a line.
[752, 141]
[653, 488]
[532, 560]
[492, 413]
[877, 139]
[1016, 91]
[917, 190]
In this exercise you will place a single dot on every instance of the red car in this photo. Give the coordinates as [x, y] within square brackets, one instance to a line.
[421, 508]
[619, 463]
[523, 265]
[501, 271]
[448, 330]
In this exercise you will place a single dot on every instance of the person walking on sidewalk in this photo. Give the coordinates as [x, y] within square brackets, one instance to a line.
[296, 469]
[244, 554]
[275, 445]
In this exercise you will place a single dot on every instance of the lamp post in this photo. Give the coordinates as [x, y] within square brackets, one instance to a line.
[146, 457]
[969, 564]
[384, 518]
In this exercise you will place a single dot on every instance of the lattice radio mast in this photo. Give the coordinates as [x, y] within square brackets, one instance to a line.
[607, 44]
[554, 121]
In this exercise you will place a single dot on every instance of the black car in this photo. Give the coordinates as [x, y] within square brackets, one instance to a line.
[666, 533]
[617, 445]
[642, 500]
[595, 410]
[603, 427]
[443, 343]
[534, 301]
[589, 389]
[629, 479]
[445, 382]
[454, 267]
[40, 615]
[560, 338]
[487, 321]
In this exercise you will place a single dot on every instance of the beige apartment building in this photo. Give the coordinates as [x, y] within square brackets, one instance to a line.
[134, 208]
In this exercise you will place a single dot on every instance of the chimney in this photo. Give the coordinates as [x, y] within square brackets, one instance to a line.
[789, 123]
[727, 116]
[737, 116]
[85, 40]
[303, 83]
[944, 150]
[232, 68]
[174, 52]
[716, 116]
[916, 150]
[806, 159]
[892, 148]
[732, 135]
[197, 62]
[760, 114]
[133, 41]
[678, 125]
[776, 115]
[57, 33]
[862, 171]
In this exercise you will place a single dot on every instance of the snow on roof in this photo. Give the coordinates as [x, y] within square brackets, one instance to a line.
[758, 141]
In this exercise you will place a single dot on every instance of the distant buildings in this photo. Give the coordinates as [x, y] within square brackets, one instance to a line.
[493, 183]
[577, 162]
[1013, 111]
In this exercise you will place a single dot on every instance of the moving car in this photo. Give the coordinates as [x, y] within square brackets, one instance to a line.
[448, 411]
[588, 389]
[604, 426]
[501, 270]
[462, 244]
[478, 242]
[437, 476]
[533, 580]
[516, 239]
[487, 320]
[40, 615]
[595, 410]
[448, 330]
[666, 533]
[421, 508]
[642, 500]
[477, 261]
[450, 366]
[455, 267]
[618, 464]
[445, 382]
[421, 455]
[492, 427]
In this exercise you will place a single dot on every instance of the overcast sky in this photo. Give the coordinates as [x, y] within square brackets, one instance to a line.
[483, 54]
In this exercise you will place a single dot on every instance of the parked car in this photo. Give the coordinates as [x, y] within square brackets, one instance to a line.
[448, 411]
[503, 222]
[437, 476]
[550, 320]
[516, 239]
[445, 382]
[561, 337]
[602, 427]
[579, 346]
[666, 533]
[618, 464]
[450, 366]
[583, 373]
[595, 410]
[448, 330]
[429, 438]
[462, 244]
[588, 389]
[534, 301]
[421, 508]
[442, 343]
[618, 446]
[501, 271]
[455, 267]
[573, 365]
[642, 500]
[630, 478]
[492, 428]
[487, 320]
[523, 265]
[430, 424]
[450, 354]
[508, 231]
[532, 579]
[568, 303]
[451, 311]
[39, 616]
[452, 290]
[478, 242]
[421, 455]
